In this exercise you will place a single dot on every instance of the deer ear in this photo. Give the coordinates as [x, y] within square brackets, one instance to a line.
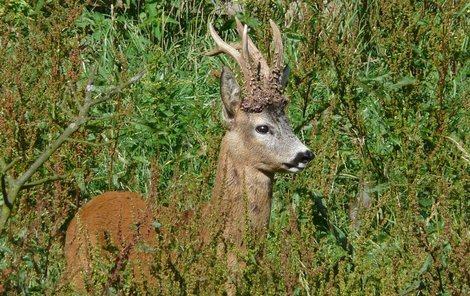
[284, 76]
[230, 91]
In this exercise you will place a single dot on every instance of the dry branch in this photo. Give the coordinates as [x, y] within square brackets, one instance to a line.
[11, 186]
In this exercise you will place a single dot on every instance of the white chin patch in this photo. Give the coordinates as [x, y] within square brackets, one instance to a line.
[295, 169]
[302, 165]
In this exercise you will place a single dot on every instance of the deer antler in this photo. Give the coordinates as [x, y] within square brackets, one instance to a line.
[256, 56]
[278, 47]
[223, 47]
[262, 84]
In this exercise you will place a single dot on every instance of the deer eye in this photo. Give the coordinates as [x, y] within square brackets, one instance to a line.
[262, 129]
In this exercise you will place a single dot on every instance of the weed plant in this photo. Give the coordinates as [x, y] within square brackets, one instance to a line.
[379, 91]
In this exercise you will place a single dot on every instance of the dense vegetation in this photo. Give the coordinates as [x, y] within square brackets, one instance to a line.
[379, 91]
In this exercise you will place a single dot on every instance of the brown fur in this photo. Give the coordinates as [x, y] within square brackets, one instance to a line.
[119, 220]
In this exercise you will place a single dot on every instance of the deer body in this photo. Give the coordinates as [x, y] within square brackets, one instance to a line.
[121, 220]
[259, 143]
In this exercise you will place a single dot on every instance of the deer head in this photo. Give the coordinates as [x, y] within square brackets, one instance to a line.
[259, 133]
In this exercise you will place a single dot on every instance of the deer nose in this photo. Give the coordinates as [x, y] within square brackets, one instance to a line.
[305, 157]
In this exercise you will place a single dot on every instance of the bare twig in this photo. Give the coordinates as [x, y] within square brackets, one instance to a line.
[118, 89]
[5, 167]
[42, 181]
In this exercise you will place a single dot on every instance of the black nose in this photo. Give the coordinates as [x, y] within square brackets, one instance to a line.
[304, 157]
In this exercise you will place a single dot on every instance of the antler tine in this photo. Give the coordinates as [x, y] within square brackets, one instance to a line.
[278, 47]
[254, 52]
[245, 52]
[219, 50]
[222, 46]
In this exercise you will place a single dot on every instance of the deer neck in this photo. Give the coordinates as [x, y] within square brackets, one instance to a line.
[241, 194]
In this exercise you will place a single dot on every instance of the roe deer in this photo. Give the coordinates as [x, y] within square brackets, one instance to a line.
[259, 143]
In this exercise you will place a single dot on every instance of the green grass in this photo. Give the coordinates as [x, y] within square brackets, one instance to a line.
[379, 92]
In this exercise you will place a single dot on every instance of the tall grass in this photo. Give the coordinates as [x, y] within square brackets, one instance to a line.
[379, 91]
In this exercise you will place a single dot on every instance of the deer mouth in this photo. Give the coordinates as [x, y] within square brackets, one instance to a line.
[299, 162]
[295, 168]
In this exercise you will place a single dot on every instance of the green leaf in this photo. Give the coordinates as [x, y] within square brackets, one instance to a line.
[404, 81]
[427, 263]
